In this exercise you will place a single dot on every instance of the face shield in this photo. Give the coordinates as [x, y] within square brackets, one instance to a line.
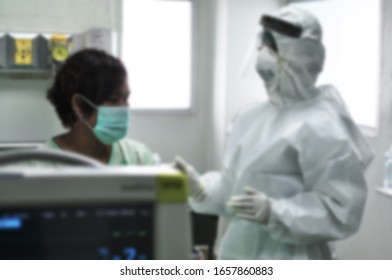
[265, 38]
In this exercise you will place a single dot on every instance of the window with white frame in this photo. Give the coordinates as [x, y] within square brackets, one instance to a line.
[157, 51]
[352, 37]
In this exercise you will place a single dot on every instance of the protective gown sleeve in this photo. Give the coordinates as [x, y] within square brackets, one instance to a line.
[332, 204]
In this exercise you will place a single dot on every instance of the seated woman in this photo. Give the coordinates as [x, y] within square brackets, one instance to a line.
[90, 94]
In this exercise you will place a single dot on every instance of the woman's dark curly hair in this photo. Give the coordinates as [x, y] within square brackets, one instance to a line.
[91, 73]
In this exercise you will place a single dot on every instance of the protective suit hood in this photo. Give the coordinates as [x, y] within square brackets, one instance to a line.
[290, 73]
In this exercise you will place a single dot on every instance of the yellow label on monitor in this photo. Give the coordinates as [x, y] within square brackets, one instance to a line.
[172, 188]
[23, 51]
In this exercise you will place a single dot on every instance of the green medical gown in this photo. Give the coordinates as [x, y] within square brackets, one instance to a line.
[124, 152]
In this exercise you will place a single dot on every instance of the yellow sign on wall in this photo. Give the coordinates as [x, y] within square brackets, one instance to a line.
[23, 51]
[60, 47]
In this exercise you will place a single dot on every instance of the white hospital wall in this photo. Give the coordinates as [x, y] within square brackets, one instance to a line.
[374, 240]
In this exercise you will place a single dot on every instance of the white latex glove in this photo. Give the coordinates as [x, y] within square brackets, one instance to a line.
[196, 189]
[253, 206]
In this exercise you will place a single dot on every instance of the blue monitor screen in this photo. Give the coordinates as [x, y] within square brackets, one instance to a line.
[107, 232]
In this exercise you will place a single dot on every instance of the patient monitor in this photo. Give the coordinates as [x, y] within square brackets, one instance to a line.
[94, 213]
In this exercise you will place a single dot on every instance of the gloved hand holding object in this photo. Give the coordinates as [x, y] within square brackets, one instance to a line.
[253, 206]
[196, 189]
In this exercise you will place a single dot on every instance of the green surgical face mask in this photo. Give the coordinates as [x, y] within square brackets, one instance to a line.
[112, 122]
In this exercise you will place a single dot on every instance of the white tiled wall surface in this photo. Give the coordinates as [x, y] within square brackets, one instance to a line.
[54, 15]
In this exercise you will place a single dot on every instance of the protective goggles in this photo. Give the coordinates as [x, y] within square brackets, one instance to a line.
[281, 26]
[266, 38]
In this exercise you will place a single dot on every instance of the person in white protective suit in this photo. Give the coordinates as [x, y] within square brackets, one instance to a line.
[293, 170]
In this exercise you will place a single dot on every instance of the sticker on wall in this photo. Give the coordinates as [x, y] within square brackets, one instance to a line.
[23, 51]
[60, 47]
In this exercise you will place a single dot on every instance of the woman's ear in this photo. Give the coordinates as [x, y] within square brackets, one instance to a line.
[75, 101]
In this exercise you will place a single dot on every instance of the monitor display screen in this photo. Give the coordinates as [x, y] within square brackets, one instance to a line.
[88, 232]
